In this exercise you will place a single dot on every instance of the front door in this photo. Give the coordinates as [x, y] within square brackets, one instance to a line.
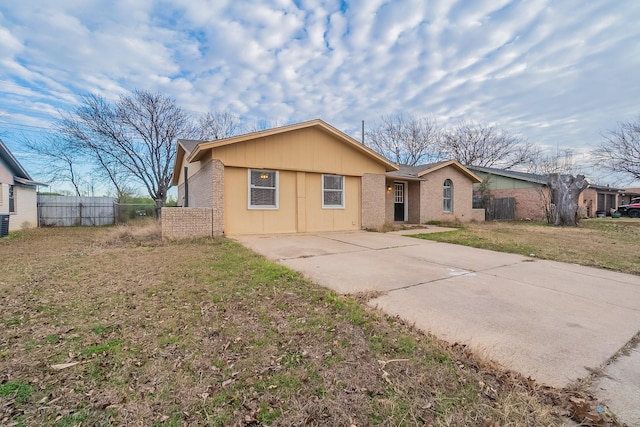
[398, 201]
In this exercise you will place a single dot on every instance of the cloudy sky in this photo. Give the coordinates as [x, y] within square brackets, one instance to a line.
[558, 72]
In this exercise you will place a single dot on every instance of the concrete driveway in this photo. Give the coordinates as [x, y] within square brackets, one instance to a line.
[552, 321]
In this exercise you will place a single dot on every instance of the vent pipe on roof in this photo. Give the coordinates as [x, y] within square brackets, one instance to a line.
[363, 132]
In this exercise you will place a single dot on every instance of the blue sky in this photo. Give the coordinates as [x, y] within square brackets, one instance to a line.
[558, 73]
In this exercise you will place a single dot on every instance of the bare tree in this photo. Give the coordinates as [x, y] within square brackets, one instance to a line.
[218, 125]
[486, 145]
[60, 157]
[619, 152]
[405, 140]
[559, 162]
[135, 136]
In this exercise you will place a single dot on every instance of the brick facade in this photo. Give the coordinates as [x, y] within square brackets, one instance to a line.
[181, 223]
[373, 201]
[205, 215]
[431, 197]
[217, 198]
[530, 202]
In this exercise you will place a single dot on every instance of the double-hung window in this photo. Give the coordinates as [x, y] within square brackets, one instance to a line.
[263, 189]
[332, 191]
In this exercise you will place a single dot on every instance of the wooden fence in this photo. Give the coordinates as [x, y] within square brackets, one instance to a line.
[501, 209]
[73, 210]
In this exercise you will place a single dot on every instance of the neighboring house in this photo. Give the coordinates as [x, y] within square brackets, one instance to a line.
[625, 196]
[599, 200]
[528, 190]
[531, 193]
[307, 177]
[441, 191]
[17, 192]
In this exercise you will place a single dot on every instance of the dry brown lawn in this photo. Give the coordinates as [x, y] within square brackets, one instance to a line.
[113, 326]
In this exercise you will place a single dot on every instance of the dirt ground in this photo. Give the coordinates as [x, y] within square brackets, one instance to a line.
[113, 326]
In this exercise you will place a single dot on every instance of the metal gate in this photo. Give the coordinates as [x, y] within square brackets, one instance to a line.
[502, 209]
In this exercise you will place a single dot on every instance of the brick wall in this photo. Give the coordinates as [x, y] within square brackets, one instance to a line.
[217, 196]
[431, 195]
[373, 201]
[530, 202]
[200, 187]
[180, 223]
[413, 194]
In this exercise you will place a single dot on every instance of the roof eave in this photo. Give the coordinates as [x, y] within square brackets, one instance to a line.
[200, 150]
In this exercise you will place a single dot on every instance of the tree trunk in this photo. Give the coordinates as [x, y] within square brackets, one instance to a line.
[565, 192]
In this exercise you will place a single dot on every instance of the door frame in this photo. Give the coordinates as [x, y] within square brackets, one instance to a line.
[405, 189]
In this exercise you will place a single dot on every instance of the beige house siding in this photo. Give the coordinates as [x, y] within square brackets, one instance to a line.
[299, 205]
[373, 201]
[431, 196]
[4, 197]
[26, 208]
[304, 150]
[300, 154]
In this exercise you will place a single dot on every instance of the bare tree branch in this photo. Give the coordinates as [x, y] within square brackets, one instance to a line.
[133, 137]
[62, 159]
[218, 125]
[406, 141]
[486, 145]
[619, 151]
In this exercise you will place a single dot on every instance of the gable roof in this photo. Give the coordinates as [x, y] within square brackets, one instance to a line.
[14, 166]
[196, 150]
[20, 175]
[522, 176]
[418, 172]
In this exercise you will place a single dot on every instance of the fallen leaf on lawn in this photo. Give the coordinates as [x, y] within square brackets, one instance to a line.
[61, 366]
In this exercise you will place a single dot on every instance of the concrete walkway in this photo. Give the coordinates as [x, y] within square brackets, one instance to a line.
[552, 321]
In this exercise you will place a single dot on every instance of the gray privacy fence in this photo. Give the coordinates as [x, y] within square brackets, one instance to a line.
[72, 210]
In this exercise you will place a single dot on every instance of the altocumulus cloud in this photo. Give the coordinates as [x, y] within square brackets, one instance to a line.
[556, 72]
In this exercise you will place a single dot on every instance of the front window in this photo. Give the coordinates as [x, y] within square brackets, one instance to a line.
[447, 196]
[332, 191]
[12, 201]
[263, 189]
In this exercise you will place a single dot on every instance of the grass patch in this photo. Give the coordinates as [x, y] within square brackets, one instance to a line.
[205, 332]
[604, 242]
[20, 391]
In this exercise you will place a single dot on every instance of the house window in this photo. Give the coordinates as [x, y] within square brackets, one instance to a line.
[12, 200]
[447, 196]
[332, 191]
[263, 189]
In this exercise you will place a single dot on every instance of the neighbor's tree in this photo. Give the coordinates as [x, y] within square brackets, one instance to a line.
[134, 136]
[218, 125]
[60, 159]
[565, 192]
[486, 145]
[619, 151]
[405, 140]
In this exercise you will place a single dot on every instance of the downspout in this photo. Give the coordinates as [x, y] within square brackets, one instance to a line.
[186, 187]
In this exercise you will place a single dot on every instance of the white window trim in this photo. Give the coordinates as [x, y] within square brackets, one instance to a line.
[249, 187]
[450, 196]
[342, 192]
